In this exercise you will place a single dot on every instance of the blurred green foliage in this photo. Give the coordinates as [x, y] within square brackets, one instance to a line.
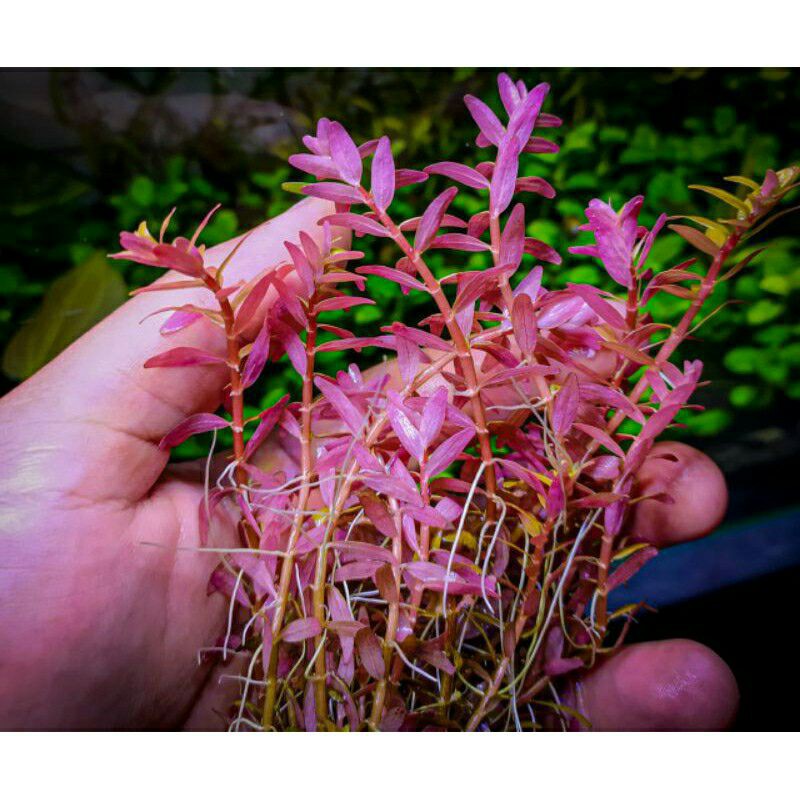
[626, 132]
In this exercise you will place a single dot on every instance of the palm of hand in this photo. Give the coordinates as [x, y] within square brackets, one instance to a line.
[105, 602]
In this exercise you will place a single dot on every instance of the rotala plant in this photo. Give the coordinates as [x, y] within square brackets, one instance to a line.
[441, 551]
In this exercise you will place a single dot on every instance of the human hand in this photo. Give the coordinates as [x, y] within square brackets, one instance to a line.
[99, 631]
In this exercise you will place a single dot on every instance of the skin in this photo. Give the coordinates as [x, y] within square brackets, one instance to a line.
[103, 616]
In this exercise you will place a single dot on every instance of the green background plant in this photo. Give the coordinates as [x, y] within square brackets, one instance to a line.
[626, 132]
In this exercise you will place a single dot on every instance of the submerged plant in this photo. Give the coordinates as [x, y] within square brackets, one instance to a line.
[439, 550]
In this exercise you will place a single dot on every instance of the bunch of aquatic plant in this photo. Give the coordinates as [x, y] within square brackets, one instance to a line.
[438, 548]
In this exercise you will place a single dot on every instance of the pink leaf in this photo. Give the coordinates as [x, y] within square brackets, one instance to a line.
[336, 192]
[345, 154]
[542, 251]
[459, 172]
[343, 303]
[403, 427]
[539, 145]
[524, 322]
[301, 629]
[252, 302]
[460, 241]
[320, 166]
[426, 515]
[601, 437]
[257, 357]
[407, 177]
[555, 500]
[448, 451]
[485, 119]
[432, 219]
[363, 551]
[179, 321]
[358, 223]
[512, 242]
[630, 567]
[393, 275]
[309, 709]
[536, 185]
[601, 307]
[197, 423]
[383, 178]
[520, 125]
[347, 412]
[294, 347]
[504, 177]
[448, 221]
[509, 93]
[338, 607]
[565, 405]
[370, 653]
[378, 515]
[433, 416]
[183, 357]
[268, 420]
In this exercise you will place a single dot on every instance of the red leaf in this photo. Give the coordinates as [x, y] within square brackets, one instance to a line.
[253, 301]
[406, 177]
[696, 239]
[268, 420]
[343, 303]
[630, 567]
[197, 423]
[183, 357]
[370, 653]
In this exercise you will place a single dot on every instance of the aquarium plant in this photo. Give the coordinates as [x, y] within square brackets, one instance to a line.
[438, 548]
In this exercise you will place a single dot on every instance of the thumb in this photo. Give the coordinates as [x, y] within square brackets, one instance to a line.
[98, 401]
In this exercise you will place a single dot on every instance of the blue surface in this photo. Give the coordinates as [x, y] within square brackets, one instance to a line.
[735, 553]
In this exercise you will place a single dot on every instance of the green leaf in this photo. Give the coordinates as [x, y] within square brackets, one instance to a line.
[721, 194]
[709, 423]
[763, 311]
[142, 191]
[743, 360]
[790, 354]
[73, 304]
[744, 396]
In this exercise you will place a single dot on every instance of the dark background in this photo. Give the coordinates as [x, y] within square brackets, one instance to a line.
[85, 153]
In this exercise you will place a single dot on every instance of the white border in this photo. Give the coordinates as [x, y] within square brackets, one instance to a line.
[399, 33]
[384, 766]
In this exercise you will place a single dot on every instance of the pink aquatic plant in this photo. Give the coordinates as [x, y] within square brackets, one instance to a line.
[439, 549]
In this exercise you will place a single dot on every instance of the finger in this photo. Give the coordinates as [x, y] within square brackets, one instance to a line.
[96, 402]
[697, 496]
[674, 685]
